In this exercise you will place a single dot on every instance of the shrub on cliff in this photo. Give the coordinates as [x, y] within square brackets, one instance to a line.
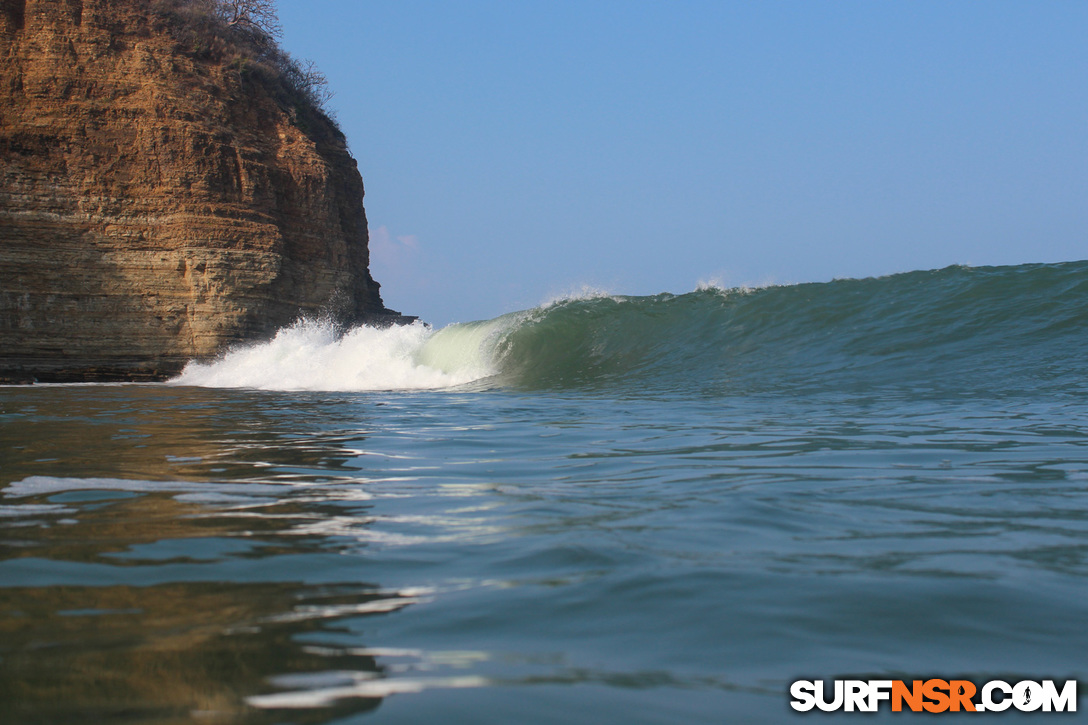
[259, 15]
[243, 34]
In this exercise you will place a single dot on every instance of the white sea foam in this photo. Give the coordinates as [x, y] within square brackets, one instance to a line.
[715, 284]
[313, 355]
[578, 294]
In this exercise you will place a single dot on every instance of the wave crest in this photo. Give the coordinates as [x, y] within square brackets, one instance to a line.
[952, 329]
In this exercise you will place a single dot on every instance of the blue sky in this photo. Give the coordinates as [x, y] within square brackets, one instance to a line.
[514, 151]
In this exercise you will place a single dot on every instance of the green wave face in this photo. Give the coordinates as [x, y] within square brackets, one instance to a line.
[989, 330]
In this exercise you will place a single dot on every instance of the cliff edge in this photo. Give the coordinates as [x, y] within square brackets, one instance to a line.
[163, 194]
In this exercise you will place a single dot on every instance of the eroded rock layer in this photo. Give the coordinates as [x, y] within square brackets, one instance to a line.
[157, 205]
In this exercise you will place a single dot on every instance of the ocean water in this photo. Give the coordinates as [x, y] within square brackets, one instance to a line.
[607, 509]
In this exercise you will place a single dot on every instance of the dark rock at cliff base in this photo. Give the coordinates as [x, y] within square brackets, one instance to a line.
[161, 198]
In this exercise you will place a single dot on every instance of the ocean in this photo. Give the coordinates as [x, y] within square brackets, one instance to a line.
[608, 509]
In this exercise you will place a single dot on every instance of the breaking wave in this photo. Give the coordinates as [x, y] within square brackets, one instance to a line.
[958, 329]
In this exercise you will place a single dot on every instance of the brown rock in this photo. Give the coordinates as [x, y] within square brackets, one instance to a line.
[159, 201]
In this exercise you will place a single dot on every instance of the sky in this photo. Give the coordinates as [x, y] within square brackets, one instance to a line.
[514, 151]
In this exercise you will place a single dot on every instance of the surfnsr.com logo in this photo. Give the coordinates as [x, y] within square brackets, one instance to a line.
[934, 696]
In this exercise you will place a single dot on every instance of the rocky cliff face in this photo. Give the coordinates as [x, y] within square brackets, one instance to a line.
[156, 203]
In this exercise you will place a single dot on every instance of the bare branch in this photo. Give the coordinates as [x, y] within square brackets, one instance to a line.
[305, 77]
[259, 15]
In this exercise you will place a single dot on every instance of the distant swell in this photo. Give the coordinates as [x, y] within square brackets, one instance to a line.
[955, 330]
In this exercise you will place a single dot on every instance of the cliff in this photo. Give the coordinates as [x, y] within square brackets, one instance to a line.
[162, 195]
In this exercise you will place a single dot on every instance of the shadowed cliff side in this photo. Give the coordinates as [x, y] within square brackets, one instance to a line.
[163, 193]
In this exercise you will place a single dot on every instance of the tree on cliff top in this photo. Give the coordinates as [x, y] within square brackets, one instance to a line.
[255, 14]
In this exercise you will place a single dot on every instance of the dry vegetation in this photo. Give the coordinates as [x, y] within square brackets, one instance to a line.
[243, 34]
